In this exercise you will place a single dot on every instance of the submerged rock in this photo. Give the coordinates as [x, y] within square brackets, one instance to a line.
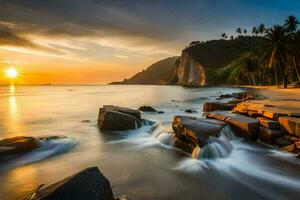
[147, 109]
[87, 184]
[196, 131]
[225, 96]
[190, 111]
[117, 118]
[212, 106]
[16, 145]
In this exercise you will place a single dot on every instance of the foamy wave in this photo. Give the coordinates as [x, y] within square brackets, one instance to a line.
[46, 149]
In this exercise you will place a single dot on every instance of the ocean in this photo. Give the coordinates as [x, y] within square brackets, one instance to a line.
[139, 163]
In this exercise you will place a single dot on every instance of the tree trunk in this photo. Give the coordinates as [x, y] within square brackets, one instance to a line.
[276, 78]
[283, 74]
[296, 68]
[253, 79]
[249, 82]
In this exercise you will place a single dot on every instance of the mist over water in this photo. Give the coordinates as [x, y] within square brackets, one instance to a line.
[141, 163]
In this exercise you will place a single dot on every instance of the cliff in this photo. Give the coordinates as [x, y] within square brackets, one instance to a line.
[198, 64]
[159, 73]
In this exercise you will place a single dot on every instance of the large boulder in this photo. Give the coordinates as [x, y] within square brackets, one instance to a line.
[244, 125]
[16, 145]
[196, 131]
[290, 125]
[117, 118]
[87, 184]
[212, 106]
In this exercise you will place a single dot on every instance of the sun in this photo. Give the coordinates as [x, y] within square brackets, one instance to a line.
[12, 72]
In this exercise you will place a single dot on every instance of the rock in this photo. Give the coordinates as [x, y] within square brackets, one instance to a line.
[282, 141]
[253, 113]
[116, 118]
[273, 115]
[183, 144]
[147, 109]
[197, 131]
[212, 106]
[225, 96]
[190, 111]
[240, 110]
[16, 145]
[87, 184]
[294, 115]
[288, 148]
[160, 112]
[290, 125]
[269, 135]
[238, 95]
[241, 124]
[268, 123]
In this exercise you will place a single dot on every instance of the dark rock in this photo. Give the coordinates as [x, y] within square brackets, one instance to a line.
[160, 112]
[147, 109]
[196, 131]
[224, 96]
[212, 106]
[190, 111]
[238, 95]
[16, 145]
[88, 184]
[116, 118]
[269, 135]
[282, 141]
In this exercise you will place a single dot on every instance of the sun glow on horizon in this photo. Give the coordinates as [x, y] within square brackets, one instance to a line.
[11, 73]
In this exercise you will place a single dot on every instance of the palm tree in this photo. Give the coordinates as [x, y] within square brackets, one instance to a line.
[291, 24]
[254, 30]
[295, 52]
[223, 35]
[238, 30]
[274, 50]
[261, 28]
[251, 66]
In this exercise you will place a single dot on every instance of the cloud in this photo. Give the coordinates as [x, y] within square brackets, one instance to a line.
[7, 37]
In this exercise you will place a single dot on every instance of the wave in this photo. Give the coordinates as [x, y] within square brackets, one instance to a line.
[45, 149]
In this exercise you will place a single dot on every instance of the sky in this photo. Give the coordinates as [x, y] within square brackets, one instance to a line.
[100, 41]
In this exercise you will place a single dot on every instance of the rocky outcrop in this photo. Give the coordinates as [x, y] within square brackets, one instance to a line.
[290, 125]
[87, 184]
[242, 125]
[212, 106]
[189, 72]
[196, 132]
[117, 118]
[16, 145]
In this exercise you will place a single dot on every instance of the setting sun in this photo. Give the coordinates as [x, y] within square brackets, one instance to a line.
[11, 73]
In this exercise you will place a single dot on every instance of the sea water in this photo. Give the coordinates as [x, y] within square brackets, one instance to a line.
[142, 163]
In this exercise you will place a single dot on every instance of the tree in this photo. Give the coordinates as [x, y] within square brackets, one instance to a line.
[223, 35]
[254, 30]
[232, 37]
[261, 28]
[194, 43]
[291, 24]
[274, 50]
[294, 44]
[245, 31]
[238, 30]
